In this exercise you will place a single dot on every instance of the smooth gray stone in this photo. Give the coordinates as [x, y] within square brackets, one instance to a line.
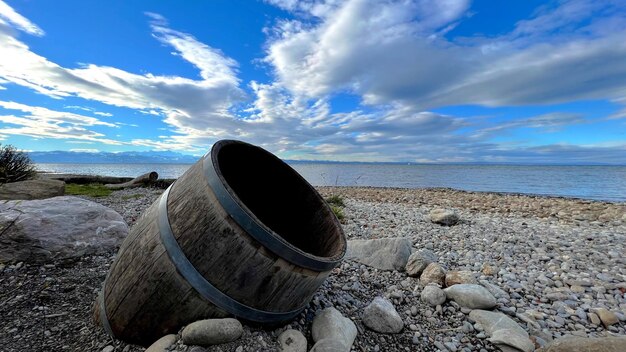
[330, 324]
[496, 291]
[512, 338]
[502, 329]
[381, 316]
[471, 296]
[383, 253]
[212, 332]
[162, 344]
[492, 321]
[433, 295]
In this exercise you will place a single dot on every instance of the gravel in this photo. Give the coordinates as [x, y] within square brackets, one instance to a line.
[551, 263]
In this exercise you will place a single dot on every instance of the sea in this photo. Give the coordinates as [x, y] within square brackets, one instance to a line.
[605, 183]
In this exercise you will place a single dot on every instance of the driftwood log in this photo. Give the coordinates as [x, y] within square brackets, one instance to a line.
[240, 233]
[84, 179]
[138, 181]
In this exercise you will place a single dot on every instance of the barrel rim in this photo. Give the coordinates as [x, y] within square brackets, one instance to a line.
[286, 250]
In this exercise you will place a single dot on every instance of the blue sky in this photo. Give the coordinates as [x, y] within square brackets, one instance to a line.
[419, 81]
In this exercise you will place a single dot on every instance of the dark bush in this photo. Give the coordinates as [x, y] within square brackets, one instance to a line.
[15, 165]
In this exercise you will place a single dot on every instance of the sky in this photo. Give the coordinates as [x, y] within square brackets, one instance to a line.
[518, 81]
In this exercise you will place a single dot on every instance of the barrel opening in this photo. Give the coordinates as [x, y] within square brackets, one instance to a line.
[279, 198]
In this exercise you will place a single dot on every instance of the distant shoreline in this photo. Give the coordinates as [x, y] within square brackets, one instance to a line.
[399, 189]
[605, 183]
[289, 161]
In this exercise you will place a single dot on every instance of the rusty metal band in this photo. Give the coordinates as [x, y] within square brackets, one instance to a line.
[259, 233]
[104, 320]
[201, 285]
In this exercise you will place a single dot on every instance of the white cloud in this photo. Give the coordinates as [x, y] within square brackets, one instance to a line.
[570, 18]
[546, 123]
[79, 142]
[55, 116]
[118, 124]
[7, 14]
[85, 150]
[40, 122]
[215, 67]
[395, 51]
[395, 56]
[84, 108]
[191, 107]
[618, 115]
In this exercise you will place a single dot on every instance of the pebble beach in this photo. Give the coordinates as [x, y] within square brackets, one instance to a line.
[555, 266]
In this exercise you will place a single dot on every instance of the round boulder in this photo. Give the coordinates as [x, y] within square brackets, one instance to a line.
[433, 295]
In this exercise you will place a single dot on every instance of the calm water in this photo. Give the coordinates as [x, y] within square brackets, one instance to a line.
[590, 182]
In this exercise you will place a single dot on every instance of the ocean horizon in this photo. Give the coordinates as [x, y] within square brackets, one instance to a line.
[592, 182]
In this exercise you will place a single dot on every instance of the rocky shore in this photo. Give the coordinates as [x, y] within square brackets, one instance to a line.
[521, 271]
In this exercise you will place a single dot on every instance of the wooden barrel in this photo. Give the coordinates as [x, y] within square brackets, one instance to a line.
[240, 233]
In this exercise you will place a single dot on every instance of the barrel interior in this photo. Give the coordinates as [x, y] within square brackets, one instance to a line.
[280, 199]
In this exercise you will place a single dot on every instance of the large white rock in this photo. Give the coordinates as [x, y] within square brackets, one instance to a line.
[383, 253]
[57, 228]
[471, 296]
[381, 316]
[333, 328]
[32, 189]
